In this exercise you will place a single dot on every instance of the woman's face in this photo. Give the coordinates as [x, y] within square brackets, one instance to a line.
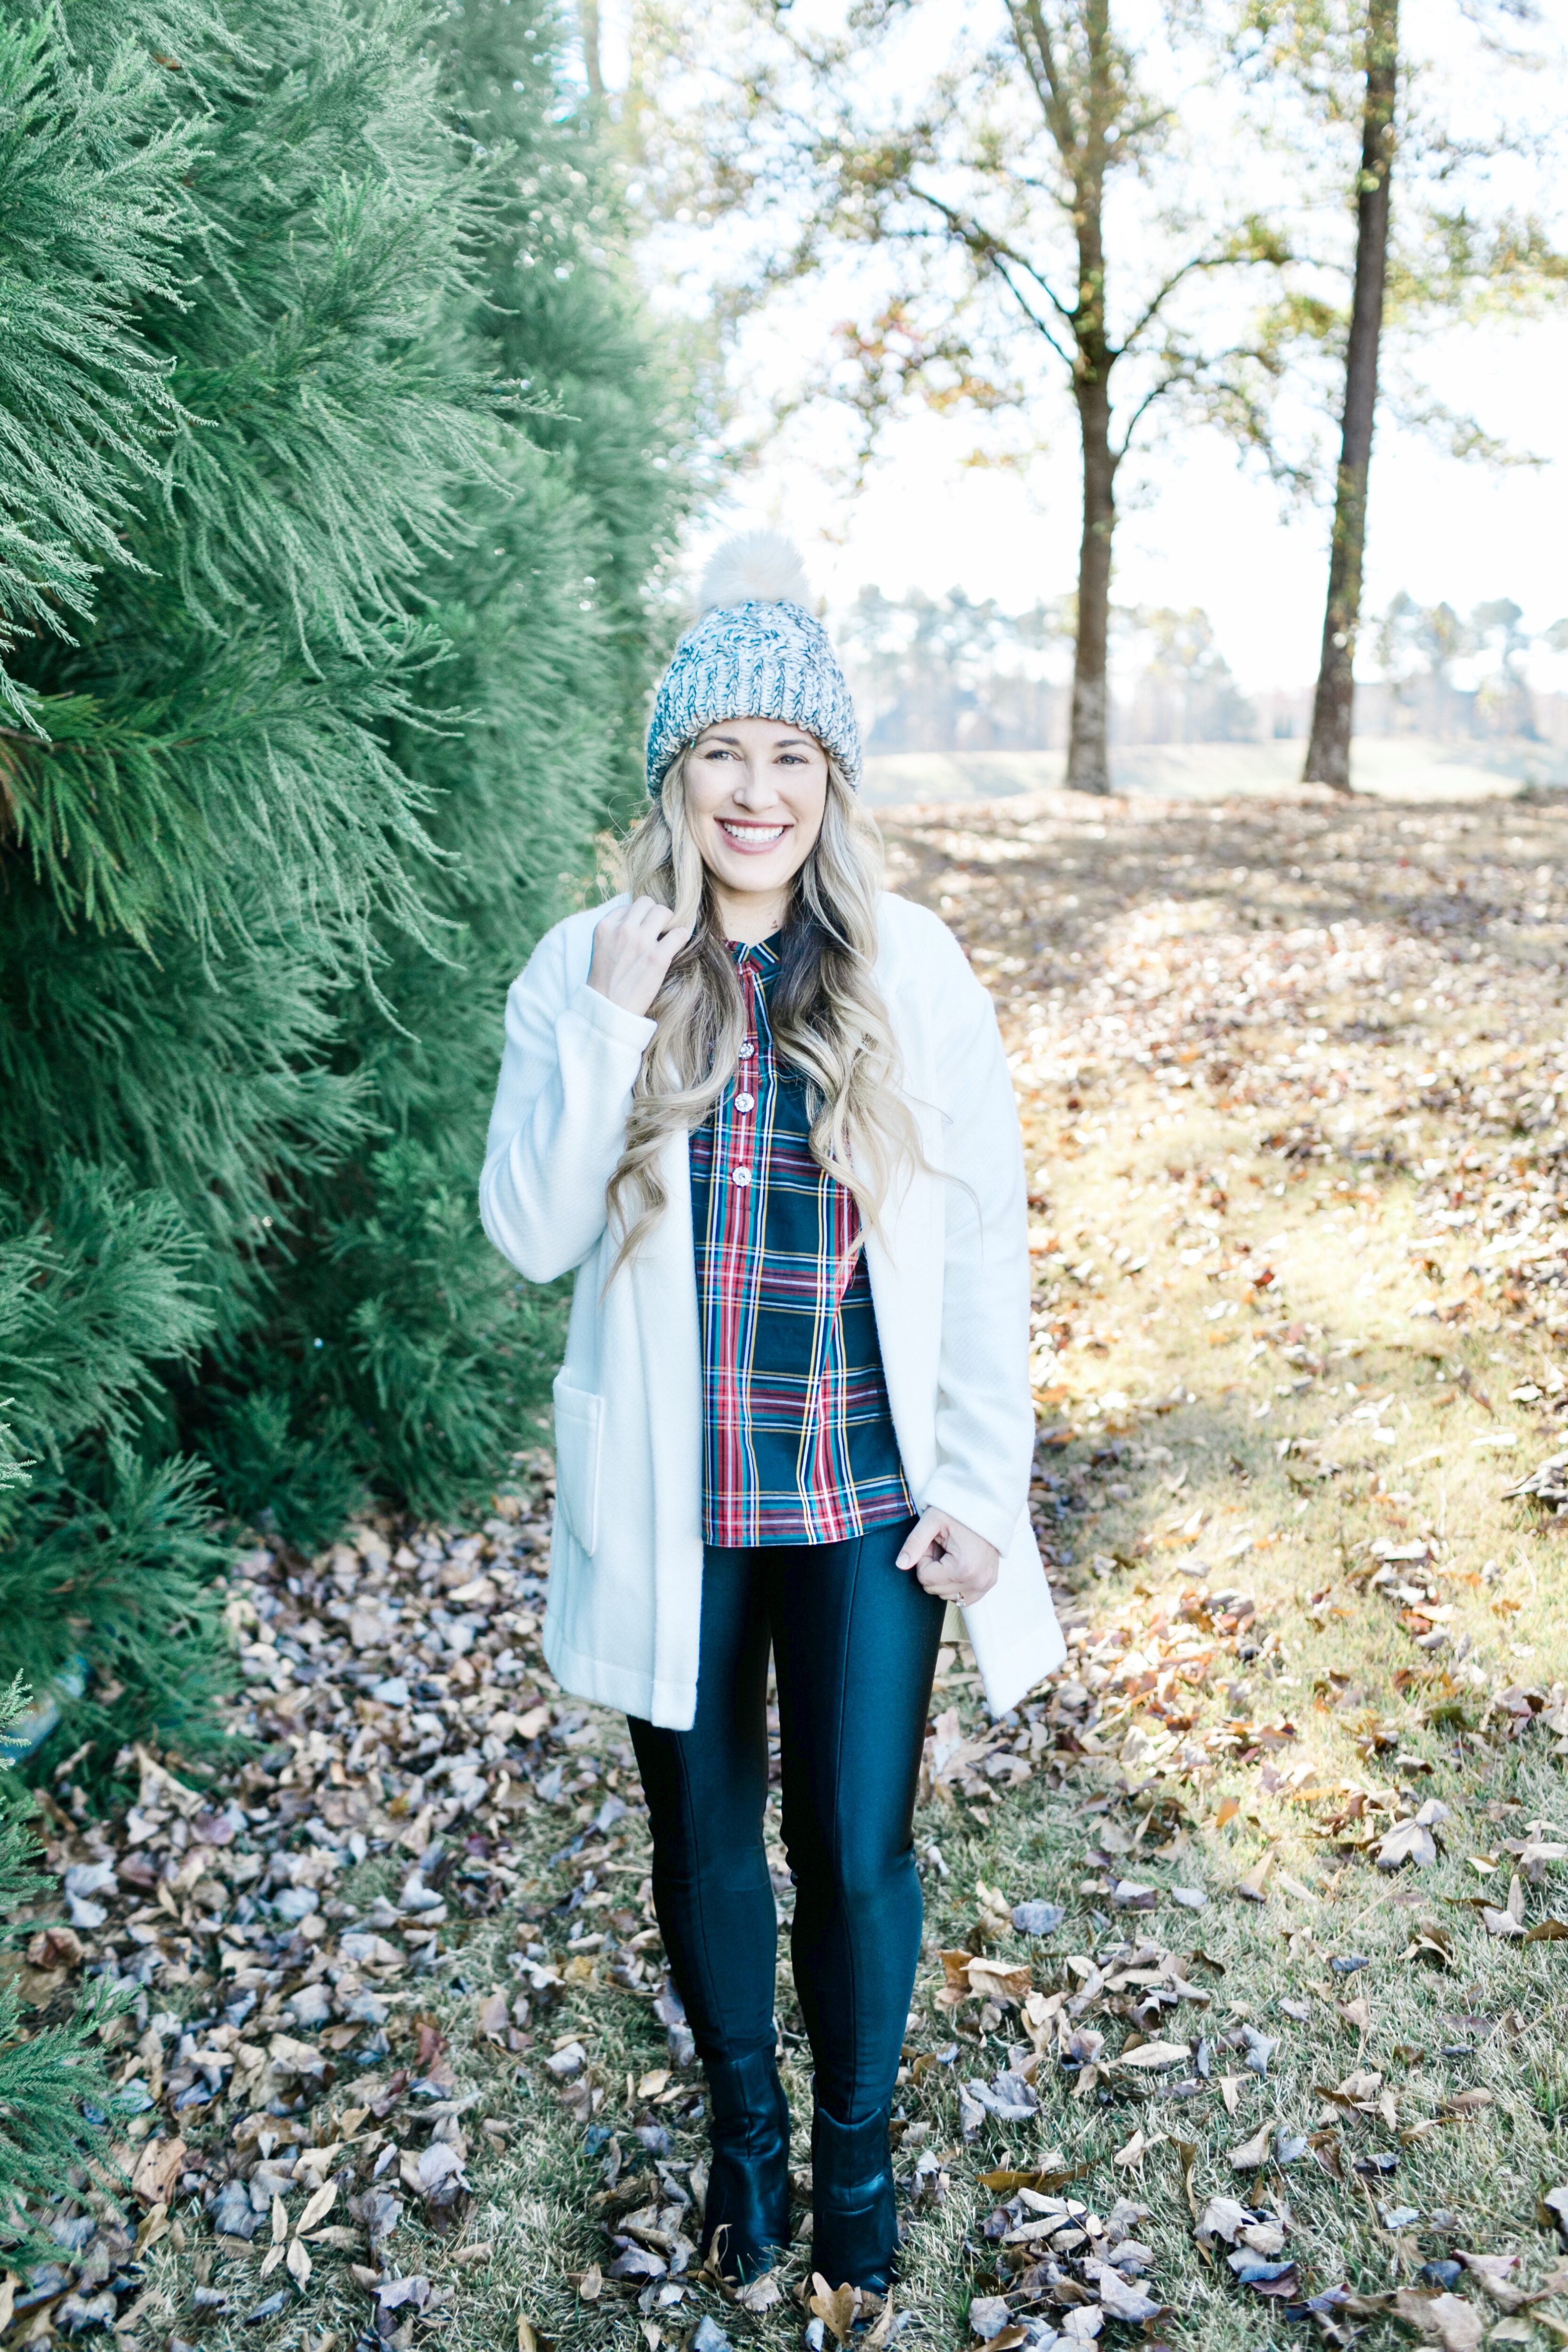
[755, 793]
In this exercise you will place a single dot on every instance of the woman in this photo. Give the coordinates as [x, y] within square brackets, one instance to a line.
[761, 1106]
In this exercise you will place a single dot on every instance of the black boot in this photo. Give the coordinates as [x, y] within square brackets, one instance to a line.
[854, 2224]
[746, 2216]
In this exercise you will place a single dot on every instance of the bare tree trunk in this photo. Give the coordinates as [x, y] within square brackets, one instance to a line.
[1329, 752]
[1089, 757]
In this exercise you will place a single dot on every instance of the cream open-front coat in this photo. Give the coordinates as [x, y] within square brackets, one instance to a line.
[950, 1282]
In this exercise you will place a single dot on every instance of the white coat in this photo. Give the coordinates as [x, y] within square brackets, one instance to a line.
[949, 1284]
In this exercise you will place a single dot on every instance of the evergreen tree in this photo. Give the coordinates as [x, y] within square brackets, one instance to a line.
[323, 651]
[46, 2076]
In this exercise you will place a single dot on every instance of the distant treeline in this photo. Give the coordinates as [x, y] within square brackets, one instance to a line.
[948, 674]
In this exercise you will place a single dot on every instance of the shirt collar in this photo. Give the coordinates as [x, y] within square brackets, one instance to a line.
[764, 955]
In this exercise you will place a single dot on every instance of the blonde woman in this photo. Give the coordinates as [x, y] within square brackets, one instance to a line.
[759, 1104]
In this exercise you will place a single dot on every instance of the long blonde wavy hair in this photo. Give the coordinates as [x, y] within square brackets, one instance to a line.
[826, 1014]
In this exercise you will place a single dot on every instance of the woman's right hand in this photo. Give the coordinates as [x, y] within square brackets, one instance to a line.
[634, 947]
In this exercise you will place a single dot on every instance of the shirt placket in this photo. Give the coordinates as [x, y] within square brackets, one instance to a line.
[741, 1221]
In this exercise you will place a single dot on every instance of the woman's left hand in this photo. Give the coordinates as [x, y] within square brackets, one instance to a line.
[950, 1560]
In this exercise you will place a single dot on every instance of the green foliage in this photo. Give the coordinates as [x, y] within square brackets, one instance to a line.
[334, 479]
[46, 2074]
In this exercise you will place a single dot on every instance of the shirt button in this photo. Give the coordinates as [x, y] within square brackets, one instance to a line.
[741, 1176]
[745, 1102]
[747, 1050]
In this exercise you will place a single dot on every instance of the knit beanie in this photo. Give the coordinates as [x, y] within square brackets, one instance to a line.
[755, 653]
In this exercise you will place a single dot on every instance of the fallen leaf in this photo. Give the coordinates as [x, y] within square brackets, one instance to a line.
[1491, 2273]
[1555, 2210]
[760, 2295]
[1409, 1841]
[836, 2306]
[1509, 1922]
[1254, 2151]
[1222, 2218]
[1251, 1888]
[1123, 2298]
[1153, 2056]
[1446, 2320]
[158, 2168]
[990, 1980]
[154, 2225]
[318, 2207]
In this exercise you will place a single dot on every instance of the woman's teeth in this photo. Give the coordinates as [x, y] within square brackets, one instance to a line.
[752, 836]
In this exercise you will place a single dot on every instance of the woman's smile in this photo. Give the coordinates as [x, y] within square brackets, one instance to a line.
[749, 835]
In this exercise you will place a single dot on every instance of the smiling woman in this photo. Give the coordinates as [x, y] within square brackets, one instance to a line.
[762, 1105]
[754, 800]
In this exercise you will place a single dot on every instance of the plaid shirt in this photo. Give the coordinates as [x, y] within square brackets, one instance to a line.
[798, 1444]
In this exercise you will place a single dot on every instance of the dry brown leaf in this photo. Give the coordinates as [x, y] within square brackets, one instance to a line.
[527, 2336]
[158, 2168]
[1491, 2273]
[319, 2207]
[153, 2226]
[1153, 2056]
[493, 2016]
[1133, 2152]
[8, 2285]
[760, 2295]
[990, 1980]
[1254, 2151]
[1187, 2156]
[1446, 2320]
[836, 2306]
[1409, 1841]
[1509, 1922]
[1222, 2216]
[1251, 1889]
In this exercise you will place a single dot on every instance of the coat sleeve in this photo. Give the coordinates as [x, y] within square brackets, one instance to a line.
[560, 1120]
[984, 1415]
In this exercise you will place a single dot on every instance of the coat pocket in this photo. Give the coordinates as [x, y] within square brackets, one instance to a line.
[578, 1420]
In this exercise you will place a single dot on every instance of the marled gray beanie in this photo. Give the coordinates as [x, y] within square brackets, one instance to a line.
[756, 652]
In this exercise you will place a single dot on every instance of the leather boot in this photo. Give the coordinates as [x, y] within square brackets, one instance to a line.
[854, 2221]
[748, 2178]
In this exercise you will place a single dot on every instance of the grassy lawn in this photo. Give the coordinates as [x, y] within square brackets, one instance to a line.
[1293, 1084]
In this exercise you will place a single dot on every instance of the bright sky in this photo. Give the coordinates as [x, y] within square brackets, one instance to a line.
[1196, 529]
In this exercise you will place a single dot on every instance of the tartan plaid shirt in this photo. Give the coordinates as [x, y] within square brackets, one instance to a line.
[798, 1443]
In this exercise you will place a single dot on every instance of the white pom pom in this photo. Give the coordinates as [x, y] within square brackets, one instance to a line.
[760, 567]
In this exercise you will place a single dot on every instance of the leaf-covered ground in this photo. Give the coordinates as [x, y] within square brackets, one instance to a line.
[1241, 2015]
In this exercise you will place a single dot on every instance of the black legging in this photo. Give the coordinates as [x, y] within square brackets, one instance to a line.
[854, 1641]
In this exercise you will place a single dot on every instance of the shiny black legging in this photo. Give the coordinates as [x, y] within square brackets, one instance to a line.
[854, 1641]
